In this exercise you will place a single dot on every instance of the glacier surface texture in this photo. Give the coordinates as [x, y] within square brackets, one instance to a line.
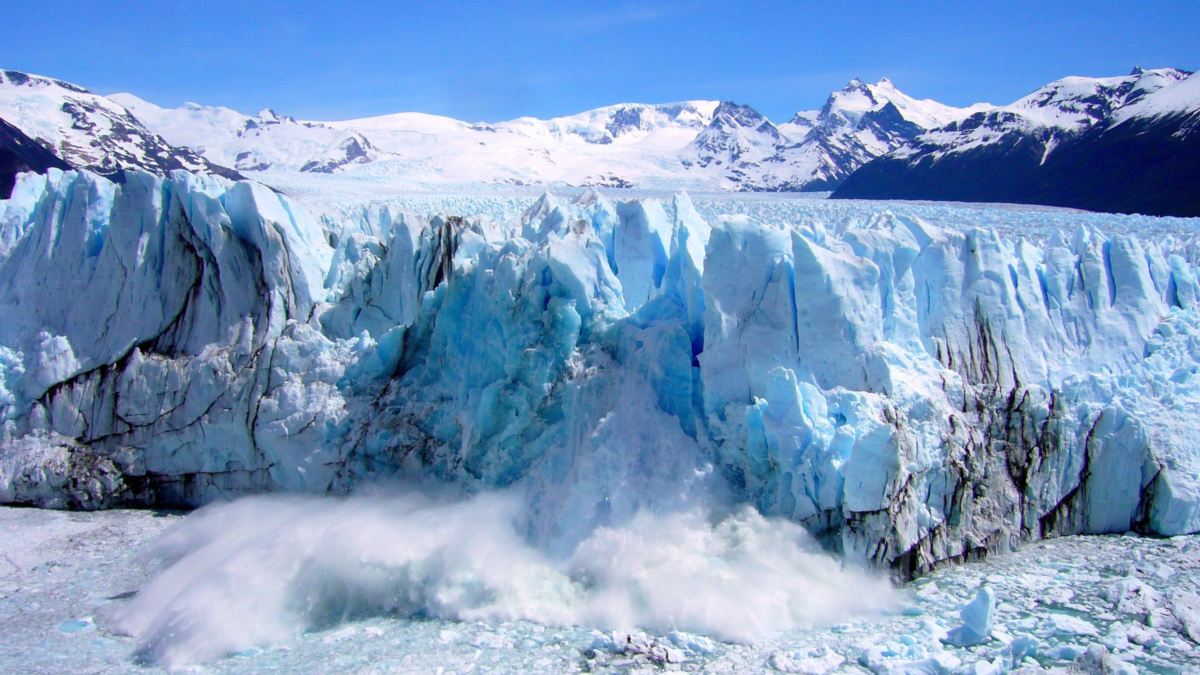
[913, 383]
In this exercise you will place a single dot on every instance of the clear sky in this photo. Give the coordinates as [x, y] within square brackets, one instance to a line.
[488, 61]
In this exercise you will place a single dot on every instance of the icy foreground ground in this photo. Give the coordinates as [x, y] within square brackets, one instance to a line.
[65, 576]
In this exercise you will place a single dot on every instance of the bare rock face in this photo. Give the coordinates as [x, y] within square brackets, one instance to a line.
[19, 153]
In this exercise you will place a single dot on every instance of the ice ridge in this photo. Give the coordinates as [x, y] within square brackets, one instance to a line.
[913, 391]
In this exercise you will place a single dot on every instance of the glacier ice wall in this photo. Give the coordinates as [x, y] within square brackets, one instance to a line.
[914, 389]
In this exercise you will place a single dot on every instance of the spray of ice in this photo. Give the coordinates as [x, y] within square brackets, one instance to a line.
[259, 570]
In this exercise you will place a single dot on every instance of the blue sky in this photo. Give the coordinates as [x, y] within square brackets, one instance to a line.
[488, 61]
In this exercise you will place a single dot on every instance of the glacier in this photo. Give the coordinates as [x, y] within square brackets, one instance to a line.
[913, 384]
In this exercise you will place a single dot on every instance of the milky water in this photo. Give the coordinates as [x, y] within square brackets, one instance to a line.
[256, 571]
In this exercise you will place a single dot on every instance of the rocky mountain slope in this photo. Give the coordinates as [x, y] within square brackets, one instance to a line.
[19, 153]
[1126, 144]
[89, 131]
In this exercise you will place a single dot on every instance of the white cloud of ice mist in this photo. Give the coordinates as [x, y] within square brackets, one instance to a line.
[255, 571]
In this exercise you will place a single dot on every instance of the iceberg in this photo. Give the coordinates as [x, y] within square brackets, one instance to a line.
[977, 618]
[913, 384]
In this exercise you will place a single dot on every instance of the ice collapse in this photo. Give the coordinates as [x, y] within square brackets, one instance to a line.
[911, 390]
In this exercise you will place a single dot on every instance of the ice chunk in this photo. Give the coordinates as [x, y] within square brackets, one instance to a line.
[1186, 607]
[1021, 647]
[977, 617]
[1133, 596]
[1065, 624]
[809, 661]
[1098, 661]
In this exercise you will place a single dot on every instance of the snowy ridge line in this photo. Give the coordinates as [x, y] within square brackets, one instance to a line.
[698, 144]
[911, 388]
[1062, 108]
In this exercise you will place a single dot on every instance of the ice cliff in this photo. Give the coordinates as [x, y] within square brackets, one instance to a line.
[913, 391]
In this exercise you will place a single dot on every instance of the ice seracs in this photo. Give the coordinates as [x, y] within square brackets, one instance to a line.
[912, 388]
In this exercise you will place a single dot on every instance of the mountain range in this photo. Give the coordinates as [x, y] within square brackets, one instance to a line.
[1116, 143]
[707, 145]
[1125, 144]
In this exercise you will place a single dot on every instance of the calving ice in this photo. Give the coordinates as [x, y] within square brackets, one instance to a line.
[908, 387]
[264, 569]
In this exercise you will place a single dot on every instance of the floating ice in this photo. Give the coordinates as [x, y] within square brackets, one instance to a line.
[1098, 660]
[58, 568]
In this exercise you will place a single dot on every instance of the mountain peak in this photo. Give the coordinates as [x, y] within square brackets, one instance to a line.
[730, 114]
[20, 79]
[737, 133]
[854, 83]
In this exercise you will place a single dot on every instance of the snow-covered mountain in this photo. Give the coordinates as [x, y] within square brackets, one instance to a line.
[1034, 150]
[257, 142]
[737, 136]
[621, 145]
[857, 124]
[1114, 143]
[90, 131]
[616, 145]
[700, 144]
[706, 145]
